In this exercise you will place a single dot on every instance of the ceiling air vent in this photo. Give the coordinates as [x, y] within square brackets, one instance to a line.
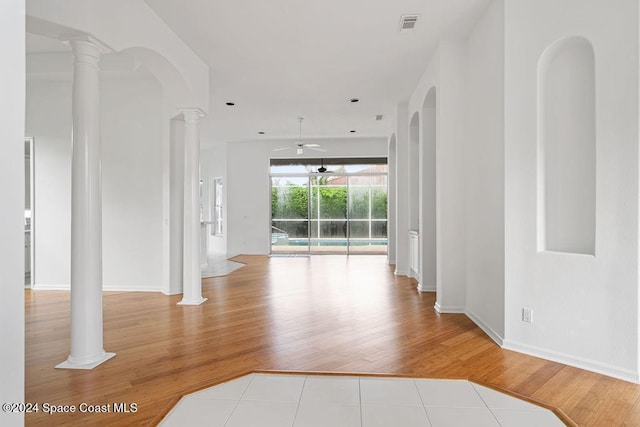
[408, 22]
[379, 117]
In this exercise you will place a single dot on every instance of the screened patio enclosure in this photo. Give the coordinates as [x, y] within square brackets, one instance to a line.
[340, 211]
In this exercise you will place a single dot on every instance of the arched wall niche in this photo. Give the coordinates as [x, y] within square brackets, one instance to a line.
[428, 180]
[566, 179]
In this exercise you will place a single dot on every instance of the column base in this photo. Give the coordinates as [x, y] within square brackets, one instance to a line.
[72, 365]
[192, 302]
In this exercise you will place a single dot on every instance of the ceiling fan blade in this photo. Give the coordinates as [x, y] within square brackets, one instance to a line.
[316, 149]
[311, 145]
[281, 149]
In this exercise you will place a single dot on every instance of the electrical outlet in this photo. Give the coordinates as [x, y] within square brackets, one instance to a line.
[527, 315]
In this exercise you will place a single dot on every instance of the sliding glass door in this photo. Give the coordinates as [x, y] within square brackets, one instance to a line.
[328, 214]
[290, 215]
[367, 214]
[337, 212]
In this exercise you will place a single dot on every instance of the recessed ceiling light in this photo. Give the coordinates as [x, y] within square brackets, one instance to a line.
[352, 131]
[231, 104]
[354, 100]
[261, 133]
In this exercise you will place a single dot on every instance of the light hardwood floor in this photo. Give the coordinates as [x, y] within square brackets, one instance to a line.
[327, 313]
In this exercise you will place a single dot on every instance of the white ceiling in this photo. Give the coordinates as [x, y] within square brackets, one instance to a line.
[280, 59]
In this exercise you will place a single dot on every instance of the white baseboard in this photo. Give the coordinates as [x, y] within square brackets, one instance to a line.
[129, 288]
[109, 288]
[448, 309]
[427, 288]
[578, 362]
[485, 328]
[44, 287]
[401, 272]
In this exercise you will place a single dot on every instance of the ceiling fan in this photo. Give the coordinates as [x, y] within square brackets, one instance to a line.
[300, 146]
[322, 169]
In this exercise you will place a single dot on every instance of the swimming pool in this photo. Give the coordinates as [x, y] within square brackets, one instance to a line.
[334, 242]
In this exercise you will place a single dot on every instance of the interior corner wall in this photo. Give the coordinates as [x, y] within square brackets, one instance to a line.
[247, 186]
[402, 191]
[451, 178]
[485, 172]
[585, 307]
[392, 228]
[12, 107]
[176, 206]
[131, 111]
[213, 164]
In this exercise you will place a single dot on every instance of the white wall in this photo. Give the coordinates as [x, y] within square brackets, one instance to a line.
[176, 202]
[248, 198]
[485, 172]
[402, 191]
[392, 206]
[446, 72]
[451, 169]
[12, 105]
[428, 207]
[48, 120]
[585, 307]
[131, 111]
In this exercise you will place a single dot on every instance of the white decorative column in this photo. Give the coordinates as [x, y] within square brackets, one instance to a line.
[191, 276]
[87, 350]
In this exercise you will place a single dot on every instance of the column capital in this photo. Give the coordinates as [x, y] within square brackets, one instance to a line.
[192, 115]
[78, 41]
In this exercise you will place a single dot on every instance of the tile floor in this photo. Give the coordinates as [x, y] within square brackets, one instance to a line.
[219, 266]
[332, 400]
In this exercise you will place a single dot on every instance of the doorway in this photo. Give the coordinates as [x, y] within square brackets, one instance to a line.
[29, 210]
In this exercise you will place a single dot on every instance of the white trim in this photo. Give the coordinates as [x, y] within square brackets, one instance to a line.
[67, 364]
[448, 309]
[400, 273]
[422, 288]
[108, 288]
[578, 362]
[485, 328]
[40, 287]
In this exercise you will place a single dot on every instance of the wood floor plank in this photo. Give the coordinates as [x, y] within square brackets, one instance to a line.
[325, 313]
